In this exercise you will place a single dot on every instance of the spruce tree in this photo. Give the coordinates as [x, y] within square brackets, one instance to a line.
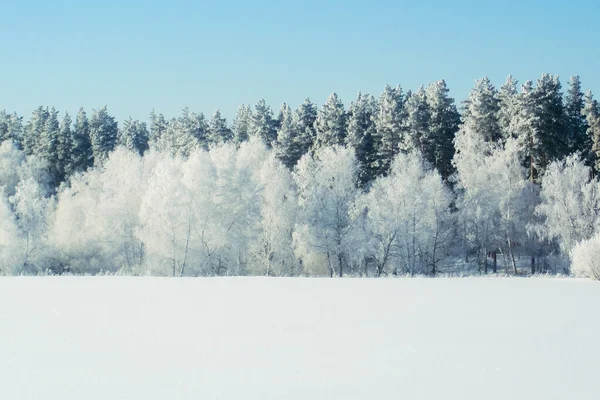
[11, 127]
[361, 135]
[550, 119]
[33, 130]
[218, 131]
[591, 111]
[262, 124]
[443, 124]
[134, 136]
[389, 119]
[416, 123]
[65, 147]
[82, 156]
[576, 125]
[305, 116]
[241, 124]
[158, 125]
[331, 123]
[104, 133]
[287, 146]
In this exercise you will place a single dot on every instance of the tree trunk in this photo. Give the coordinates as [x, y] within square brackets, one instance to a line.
[340, 261]
[532, 265]
[495, 265]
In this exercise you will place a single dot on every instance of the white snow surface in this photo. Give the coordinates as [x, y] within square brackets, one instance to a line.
[294, 338]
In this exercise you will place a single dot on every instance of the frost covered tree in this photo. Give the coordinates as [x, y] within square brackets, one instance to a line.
[262, 124]
[94, 227]
[82, 156]
[326, 184]
[416, 123]
[576, 125]
[64, 149]
[481, 110]
[11, 127]
[9, 238]
[241, 124]
[31, 207]
[443, 125]
[134, 136]
[508, 108]
[591, 111]
[104, 133]
[361, 135]
[288, 146]
[570, 203]
[389, 119]
[34, 130]
[305, 117]
[408, 218]
[331, 123]
[218, 131]
[158, 126]
[585, 258]
[48, 145]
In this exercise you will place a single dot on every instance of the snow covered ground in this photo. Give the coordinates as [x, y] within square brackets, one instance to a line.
[258, 338]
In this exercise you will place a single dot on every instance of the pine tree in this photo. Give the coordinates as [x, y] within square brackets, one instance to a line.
[361, 134]
[526, 128]
[508, 108]
[591, 111]
[82, 156]
[389, 120]
[65, 147]
[443, 125]
[287, 146]
[218, 132]
[104, 133]
[194, 126]
[262, 124]
[416, 123]
[241, 124]
[331, 123]
[576, 126]
[481, 111]
[134, 136]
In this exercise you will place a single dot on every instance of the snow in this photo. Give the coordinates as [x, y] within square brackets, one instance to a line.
[294, 338]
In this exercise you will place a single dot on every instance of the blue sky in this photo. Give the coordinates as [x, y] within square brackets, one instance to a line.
[138, 55]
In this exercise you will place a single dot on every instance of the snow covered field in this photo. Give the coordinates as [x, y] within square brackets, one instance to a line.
[258, 338]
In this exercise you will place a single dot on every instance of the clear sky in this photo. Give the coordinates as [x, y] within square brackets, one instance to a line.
[137, 55]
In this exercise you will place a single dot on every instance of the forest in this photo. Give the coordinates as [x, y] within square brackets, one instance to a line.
[407, 183]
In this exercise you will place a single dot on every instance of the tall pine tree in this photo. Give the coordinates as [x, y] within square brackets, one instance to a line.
[104, 133]
[389, 120]
[331, 123]
[361, 135]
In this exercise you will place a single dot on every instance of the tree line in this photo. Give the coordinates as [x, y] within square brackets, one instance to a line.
[406, 183]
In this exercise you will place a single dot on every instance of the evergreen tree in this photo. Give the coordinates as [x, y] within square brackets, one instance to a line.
[48, 146]
[306, 115]
[443, 125]
[526, 128]
[82, 156]
[11, 127]
[241, 124]
[194, 126]
[591, 111]
[287, 146]
[331, 123]
[218, 132]
[550, 120]
[361, 134]
[33, 130]
[389, 120]
[416, 124]
[65, 147]
[481, 111]
[104, 133]
[262, 124]
[158, 125]
[576, 126]
[508, 108]
[134, 136]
